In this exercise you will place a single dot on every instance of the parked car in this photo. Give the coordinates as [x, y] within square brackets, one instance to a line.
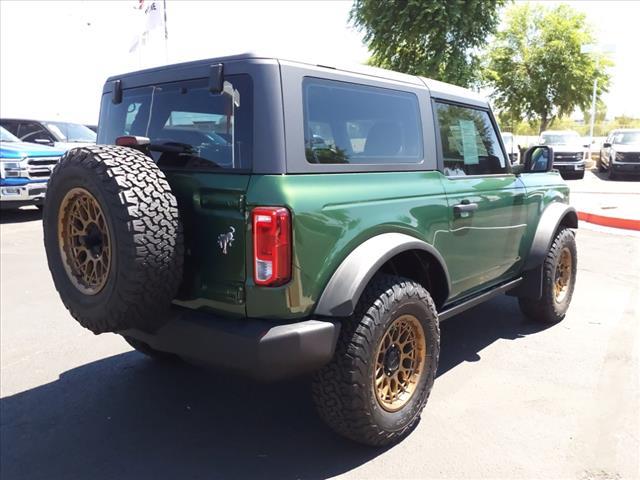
[271, 257]
[513, 150]
[569, 151]
[24, 171]
[64, 135]
[620, 153]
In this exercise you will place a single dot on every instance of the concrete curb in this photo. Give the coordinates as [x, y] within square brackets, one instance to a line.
[615, 222]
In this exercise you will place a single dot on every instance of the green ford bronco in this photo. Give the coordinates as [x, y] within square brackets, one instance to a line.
[280, 218]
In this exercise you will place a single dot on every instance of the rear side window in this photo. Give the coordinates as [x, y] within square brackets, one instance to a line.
[469, 142]
[359, 124]
[200, 128]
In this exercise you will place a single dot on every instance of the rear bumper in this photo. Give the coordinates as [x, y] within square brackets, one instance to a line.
[261, 349]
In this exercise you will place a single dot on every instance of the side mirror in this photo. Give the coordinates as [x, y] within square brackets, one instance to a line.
[538, 158]
[606, 145]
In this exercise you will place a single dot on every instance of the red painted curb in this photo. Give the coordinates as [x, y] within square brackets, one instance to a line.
[626, 223]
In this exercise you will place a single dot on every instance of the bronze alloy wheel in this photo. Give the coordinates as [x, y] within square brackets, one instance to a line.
[399, 363]
[85, 241]
[563, 275]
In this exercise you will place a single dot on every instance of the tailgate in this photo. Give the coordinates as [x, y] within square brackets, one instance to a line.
[212, 212]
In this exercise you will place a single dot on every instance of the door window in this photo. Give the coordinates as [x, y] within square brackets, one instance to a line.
[30, 131]
[469, 142]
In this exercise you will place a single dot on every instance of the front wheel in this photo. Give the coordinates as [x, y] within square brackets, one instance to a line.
[558, 281]
[379, 380]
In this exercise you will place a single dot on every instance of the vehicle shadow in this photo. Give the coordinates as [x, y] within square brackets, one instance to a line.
[462, 337]
[604, 176]
[129, 417]
[20, 216]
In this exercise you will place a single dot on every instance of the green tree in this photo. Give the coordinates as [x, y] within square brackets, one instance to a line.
[437, 39]
[536, 68]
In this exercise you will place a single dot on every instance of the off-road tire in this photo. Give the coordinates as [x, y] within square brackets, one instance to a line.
[343, 390]
[146, 241]
[147, 350]
[600, 166]
[548, 309]
[611, 174]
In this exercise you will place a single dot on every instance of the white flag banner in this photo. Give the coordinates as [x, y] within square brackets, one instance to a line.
[154, 13]
[152, 16]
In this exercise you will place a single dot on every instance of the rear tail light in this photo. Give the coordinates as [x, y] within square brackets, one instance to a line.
[271, 246]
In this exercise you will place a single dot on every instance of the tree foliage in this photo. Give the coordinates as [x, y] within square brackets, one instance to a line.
[536, 67]
[437, 39]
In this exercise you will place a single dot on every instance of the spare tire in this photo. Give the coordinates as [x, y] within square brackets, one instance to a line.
[113, 238]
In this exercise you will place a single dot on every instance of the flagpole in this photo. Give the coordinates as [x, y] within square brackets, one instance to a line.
[166, 34]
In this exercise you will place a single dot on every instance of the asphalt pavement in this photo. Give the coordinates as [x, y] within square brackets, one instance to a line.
[512, 400]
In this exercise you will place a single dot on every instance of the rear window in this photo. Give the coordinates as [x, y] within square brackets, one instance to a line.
[203, 127]
[359, 124]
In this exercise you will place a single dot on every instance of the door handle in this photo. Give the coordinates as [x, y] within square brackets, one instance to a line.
[464, 209]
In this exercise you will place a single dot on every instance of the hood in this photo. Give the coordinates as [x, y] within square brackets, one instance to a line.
[23, 149]
[618, 147]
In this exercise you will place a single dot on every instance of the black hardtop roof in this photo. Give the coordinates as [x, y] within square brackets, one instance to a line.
[205, 62]
[200, 69]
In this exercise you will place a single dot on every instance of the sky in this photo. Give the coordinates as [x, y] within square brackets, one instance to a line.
[55, 56]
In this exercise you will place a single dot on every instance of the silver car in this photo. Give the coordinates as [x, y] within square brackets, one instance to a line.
[620, 153]
[569, 152]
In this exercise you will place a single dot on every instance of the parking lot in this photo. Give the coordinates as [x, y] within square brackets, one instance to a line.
[512, 399]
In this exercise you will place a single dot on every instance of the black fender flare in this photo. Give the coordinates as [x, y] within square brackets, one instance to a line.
[347, 283]
[553, 216]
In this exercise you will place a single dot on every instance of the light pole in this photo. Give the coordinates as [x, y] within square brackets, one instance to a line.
[597, 50]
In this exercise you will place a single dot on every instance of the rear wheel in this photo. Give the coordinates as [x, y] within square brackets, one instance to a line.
[379, 380]
[558, 281]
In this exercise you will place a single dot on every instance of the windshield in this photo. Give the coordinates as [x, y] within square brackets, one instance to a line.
[559, 138]
[508, 140]
[627, 138]
[188, 126]
[71, 132]
[6, 136]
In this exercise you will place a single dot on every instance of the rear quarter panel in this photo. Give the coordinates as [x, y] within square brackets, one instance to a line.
[332, 215]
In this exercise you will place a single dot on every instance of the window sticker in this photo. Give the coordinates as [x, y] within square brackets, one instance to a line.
[469, 145]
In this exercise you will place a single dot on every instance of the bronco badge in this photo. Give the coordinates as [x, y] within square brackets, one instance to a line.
[226, 239]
